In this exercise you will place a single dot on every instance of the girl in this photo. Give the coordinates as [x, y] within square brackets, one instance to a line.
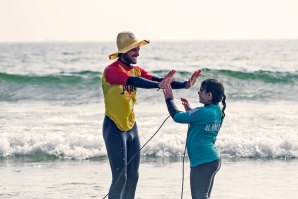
[205, 123]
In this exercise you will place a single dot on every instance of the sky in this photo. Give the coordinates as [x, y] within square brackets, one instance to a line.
[160, 20]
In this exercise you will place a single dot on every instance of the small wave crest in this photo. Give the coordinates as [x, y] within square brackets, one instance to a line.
[92, 77]
[85, 86]
[52, 79]
[76, 86]
[261, 75]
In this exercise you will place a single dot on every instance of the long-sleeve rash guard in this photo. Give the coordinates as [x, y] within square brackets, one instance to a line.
[205, 123]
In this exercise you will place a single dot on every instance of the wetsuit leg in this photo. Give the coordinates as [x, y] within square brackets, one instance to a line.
[121, 147]
[212, 181]
[115, 141]
[201, 179]
[133, 146]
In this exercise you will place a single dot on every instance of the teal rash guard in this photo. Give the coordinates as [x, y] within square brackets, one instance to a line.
[204, 125]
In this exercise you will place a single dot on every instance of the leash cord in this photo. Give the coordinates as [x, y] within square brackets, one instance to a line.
[137, 154]
[183, 172]
[183, 160]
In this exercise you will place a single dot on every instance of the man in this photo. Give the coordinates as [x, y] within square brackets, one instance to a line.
[120, 81]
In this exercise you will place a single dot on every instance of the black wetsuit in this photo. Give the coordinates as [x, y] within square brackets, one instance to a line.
[121, 147]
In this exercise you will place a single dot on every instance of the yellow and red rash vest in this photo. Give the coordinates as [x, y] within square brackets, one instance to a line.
[120, 98]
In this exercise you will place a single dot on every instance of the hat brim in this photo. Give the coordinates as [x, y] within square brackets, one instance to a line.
[128, 48]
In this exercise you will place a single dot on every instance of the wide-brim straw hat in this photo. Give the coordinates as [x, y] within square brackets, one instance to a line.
[125, 42]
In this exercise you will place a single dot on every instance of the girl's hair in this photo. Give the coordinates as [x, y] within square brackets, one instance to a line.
[218, 92]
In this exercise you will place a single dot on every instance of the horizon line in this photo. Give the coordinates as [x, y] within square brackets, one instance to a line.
[158, 40]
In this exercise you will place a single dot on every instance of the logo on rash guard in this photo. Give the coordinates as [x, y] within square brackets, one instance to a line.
[129, 89]
[212, 127]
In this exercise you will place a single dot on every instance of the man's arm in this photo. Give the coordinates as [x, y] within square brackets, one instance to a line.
[174, 85]
[145, 83]
[141, 82]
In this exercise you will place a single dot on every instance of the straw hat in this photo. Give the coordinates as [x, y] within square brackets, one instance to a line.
[125, 42]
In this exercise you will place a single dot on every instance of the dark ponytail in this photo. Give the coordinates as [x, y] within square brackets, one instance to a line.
[223, 107]
[218, 93]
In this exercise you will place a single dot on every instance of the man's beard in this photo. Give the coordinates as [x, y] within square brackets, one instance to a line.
[129, 60]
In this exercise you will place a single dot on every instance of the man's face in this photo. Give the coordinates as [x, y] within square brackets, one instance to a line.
[131, 56]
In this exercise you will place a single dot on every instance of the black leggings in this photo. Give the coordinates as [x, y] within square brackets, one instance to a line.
[121, 146]
[202, 178]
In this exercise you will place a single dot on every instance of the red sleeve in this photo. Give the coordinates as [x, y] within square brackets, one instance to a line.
[115, 75]
[145, 74]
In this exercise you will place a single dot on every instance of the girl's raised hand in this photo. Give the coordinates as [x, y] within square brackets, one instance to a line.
[168, 92]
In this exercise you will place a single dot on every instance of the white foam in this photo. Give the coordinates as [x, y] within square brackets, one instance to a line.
[253, 130]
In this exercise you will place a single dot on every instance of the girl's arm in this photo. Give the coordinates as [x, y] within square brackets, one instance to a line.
[177, 115]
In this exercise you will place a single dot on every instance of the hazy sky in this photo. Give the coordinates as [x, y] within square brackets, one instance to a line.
[101, 20]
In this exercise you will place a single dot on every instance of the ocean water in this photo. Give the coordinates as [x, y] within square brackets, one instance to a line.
[51, 112]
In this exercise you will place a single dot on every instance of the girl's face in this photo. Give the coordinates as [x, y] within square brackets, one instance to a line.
[205, 97]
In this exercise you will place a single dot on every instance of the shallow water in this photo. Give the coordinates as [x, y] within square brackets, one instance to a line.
[159, 178]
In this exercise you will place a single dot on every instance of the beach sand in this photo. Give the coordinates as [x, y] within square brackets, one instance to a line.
[160, 178]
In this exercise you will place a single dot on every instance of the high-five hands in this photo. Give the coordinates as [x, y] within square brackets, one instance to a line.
[193, 78]
[167, 80]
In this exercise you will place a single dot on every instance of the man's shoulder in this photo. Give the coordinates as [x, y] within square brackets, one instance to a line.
[112, 67]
